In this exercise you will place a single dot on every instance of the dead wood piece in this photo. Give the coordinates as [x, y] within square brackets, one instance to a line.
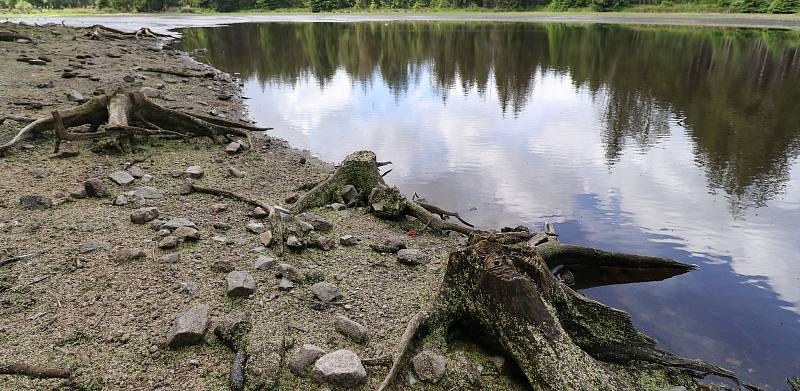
[23, 369]
[179, 73]
[382, 361]
[16, 118]
[10, 36]
[442, 213]
[403, 348]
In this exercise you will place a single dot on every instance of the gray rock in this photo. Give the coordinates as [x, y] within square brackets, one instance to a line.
[168, 242]
[186, 188]
[163, 232]
[218, 208]
[78, 193]
[95, 187]
[35, 202]
[189, 327]
[409, 256]
[302, 359]
[285, 270]
[350, 196]
[303, 226]
[350, 328]
[221, 225]
[259, 212]
[129, 254]
[170, 258]
[147, 193]
[293, 243]
[233, 148]
[429, 366]
[337, 206]
[341, 368]
[136, 171]
[144, 215]
[316, 221]
[325, 243]
[256, 228]
[285, 284]
[240, 284]
[150, 92]
[121, 200]
[326, 292]
[348, 240]
[265, 237]
[121, 177]
[194, 172]
[93, 245]
[264, 262]
[146, 178]
[75, 96]
[234, 172]
[177, 222]
[187, 233]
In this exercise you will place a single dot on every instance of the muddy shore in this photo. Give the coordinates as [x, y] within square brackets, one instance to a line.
[78, 303]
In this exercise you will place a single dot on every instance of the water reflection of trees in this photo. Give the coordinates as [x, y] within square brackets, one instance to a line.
[736, 91]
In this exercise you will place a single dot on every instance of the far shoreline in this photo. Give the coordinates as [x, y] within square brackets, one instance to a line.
[777, 21]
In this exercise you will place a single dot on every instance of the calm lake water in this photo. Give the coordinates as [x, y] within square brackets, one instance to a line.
[679, 142]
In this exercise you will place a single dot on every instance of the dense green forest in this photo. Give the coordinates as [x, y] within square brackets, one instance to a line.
[750, 6]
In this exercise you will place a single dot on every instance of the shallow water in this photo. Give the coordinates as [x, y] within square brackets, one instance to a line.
[679, 142]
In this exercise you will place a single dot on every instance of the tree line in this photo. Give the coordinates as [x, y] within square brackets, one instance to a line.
[749, 6]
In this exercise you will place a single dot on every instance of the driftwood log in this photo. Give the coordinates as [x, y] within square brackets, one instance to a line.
[514, 292]
[125, 114]
[103, 33]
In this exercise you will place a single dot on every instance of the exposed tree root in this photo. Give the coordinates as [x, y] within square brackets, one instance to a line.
[125, 114]
[16, 118]
[10, 36]
[179, 73]
[505, 295]
[103, 33]
[22, 369]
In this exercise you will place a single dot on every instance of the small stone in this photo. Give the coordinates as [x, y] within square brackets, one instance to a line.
[303, 227]
[121, 200]
[187, 233]
[144, 215]
[170, 258]
[264, 262]
[150, 92]
[317, 222]
[128, 79]
[293, 243]
[233, 148]
[186, 187]
[147, 193]
[302, 359]
[194, 172]
[337, 206]
[121, 177]
[189, 327]
[240, 284]
[75, 96]
[129, 254]
[35, 202]
[147, 178]
[221, 226]
[285, 270]
[265, 238]
[94, 245]
[79, 194]
[259, 213]
[341, 368]
[163, 232]
[326, 292]
[136, 171]
[235, 172]
[350, 328]
[68, 74]
[348, 240]
[222, 266]
[95, 187]
[285, 284]
[409, 256]
[325, 243]
[256, 228]
[429, 366]
[218, 207]
[291, 199]
[177, 222]
[168, 242]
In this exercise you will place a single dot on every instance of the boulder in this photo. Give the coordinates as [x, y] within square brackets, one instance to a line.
[264, 262]
[240, 284]
[233, 148]
[350, 328]
[189, 327]
[259, 213]
[429, 366]
[285, 270]
[194, 172]
[341, 368]
[121, 177]
[302, 359]
[326, 292]
[409, 256]
[294, 243]
[35, 202]
[187, 233]
[325, 243]
[169, 242]
[94, 187]
[144, 215]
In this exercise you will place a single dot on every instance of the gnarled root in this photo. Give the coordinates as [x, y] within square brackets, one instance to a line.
[127, 114]
[28, 370]
[103, 33]
[505, 295]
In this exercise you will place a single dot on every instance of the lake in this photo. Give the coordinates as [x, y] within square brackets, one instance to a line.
[670, 141]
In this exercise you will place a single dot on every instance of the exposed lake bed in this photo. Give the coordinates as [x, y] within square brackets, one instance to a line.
[578, 138]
